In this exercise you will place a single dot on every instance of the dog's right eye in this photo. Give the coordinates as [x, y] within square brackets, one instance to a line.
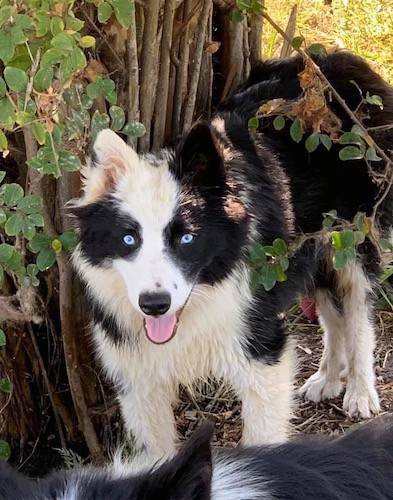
[129, 240]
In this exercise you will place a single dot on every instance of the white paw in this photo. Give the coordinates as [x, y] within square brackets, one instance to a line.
[361, 400]
[319, 387]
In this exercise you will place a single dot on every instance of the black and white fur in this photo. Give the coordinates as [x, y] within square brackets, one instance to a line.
[358, 466]
[164, 239]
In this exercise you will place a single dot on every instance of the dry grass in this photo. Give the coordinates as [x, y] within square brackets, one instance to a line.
[364, 27]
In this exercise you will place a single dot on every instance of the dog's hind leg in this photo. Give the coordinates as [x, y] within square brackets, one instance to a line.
[148, 414]
[326, 382]
[361, 397]
[266, 392]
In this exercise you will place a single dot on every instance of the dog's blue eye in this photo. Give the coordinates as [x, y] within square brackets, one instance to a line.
[129, 240]
[186, 238]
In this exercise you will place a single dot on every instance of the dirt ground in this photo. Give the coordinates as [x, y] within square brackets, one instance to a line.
[326, 418]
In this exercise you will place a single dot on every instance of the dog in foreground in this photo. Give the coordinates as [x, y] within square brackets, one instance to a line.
[357, 466]
[163, 252]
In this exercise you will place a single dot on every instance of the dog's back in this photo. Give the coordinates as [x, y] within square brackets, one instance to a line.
[358, 466]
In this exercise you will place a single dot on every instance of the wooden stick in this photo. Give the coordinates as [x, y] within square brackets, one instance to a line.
[192, 91]
[163, 75]
[133, 76]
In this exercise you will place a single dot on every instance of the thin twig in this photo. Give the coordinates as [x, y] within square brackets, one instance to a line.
[133, 76]
[163, 75]
[148, 67]
[192, 91]
[48, 386]
[103, 37]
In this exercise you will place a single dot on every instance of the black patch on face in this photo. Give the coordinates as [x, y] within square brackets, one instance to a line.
[102, 227]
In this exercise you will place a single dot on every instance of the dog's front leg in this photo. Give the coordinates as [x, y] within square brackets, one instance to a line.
[148, 415]
[266, 391]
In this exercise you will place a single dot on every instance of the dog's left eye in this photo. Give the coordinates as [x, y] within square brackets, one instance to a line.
[186, 239]
[129, 240]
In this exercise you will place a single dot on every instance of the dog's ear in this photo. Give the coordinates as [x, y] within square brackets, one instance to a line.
[188, 475]
[200, 157]
[111, 158]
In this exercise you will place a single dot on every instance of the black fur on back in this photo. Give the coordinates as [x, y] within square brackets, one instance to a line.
[358, 466]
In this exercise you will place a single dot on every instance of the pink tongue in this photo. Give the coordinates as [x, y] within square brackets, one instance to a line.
[161, 329]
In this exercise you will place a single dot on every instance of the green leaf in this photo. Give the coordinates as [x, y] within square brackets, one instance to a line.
[268, 277]
[51, 57]
[2, 175]
[5, 450]
[296, 130]
[23, 21]
[5, 14]
[340, 259]
[3, 339]
[1, 275]
[3, 141]
[118, 117]
[7, 47]
[3, 87]
[7, 113]
[36, 219]
[45, 259]
[6, 252]
[385, 244]
[123, 10]
[350, 153]
[347, 239]
[32, 270]
[43, 78]
[68, 161]
[237, 16]
[5, 385]
[63, 42]
[358, 130]
[68, 240]
[371, 155]
[244, 4]
[374, 99]
[13, 193]
[78, 59]
[28, 230]
[104, 12]
[253, 123]
[297, 42]
[39, 242]
[3, 216]
[56, 25]
[74, 24]
[16, 79]
[326, 141]
[280, 247]
[312, 142]
[39, 132]
[135, 129]
[14, 224]
[279, 122]
[280, 275]
[30, 204]
[317, 49]
[327, 223]
[65, 70]
[284, 261]
[257, 252]
[350, 138]
[359, 237]
[336, 240]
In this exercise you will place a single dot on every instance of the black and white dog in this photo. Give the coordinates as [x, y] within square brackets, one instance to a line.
[163, 250]
[358, 466]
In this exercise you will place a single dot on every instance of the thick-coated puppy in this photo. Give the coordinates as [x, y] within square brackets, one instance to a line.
[163, 253]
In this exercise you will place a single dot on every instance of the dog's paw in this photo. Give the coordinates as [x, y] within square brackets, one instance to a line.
[361, 400]
[319, 387]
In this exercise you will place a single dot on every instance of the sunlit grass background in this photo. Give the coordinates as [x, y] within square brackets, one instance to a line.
[362, 26]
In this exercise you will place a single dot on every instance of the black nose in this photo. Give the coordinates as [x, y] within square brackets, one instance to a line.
[154, 304]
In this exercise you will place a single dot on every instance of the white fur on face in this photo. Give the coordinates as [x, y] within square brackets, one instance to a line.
[150, 196]
[148, 193]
